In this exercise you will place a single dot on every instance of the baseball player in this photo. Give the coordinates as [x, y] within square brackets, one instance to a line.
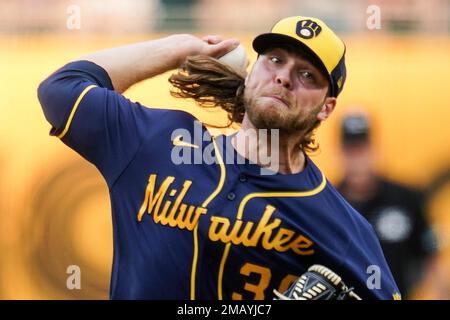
[215, 229]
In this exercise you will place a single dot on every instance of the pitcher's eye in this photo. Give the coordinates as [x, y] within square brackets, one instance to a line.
[275, 59]
[307, 76]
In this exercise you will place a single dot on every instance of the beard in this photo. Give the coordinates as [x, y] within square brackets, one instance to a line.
[269, 116]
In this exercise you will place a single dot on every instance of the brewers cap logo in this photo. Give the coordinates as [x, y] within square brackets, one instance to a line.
[307, 29]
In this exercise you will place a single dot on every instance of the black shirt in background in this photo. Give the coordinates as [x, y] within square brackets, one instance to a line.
[396, 212]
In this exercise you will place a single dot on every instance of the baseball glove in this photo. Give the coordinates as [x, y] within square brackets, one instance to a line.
[318, 283]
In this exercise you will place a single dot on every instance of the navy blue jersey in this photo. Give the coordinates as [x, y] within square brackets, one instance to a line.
[205, 229]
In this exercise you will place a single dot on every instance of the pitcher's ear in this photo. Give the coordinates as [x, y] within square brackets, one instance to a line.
[327, 108]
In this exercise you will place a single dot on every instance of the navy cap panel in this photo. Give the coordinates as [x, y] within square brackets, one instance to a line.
[338, 75]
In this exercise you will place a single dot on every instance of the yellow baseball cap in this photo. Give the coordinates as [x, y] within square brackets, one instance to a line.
[313, 36]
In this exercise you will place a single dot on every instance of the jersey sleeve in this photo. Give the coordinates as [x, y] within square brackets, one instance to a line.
[366, 264]
[86, 113]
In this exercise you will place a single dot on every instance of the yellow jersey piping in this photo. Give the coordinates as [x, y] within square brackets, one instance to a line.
[74, 109]
[205, 204]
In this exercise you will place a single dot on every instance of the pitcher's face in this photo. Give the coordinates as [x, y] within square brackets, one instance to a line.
[286, 91]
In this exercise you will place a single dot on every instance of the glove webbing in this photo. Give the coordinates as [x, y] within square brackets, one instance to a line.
[319, 283]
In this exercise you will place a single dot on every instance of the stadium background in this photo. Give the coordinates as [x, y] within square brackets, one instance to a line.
[54, 207]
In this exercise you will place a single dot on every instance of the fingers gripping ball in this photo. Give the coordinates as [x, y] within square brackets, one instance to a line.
[236, 59]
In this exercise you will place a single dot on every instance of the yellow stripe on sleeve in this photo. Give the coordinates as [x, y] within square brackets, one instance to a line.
[74, 109]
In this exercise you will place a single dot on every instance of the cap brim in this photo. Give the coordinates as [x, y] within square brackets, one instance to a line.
[268, 40]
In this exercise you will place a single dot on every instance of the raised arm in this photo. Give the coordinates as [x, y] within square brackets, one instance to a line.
[130, 64]
[82, 99]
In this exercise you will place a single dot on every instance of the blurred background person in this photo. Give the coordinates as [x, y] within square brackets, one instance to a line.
[395, 211]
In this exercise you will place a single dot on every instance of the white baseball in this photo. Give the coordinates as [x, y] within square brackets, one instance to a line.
[236, 59]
